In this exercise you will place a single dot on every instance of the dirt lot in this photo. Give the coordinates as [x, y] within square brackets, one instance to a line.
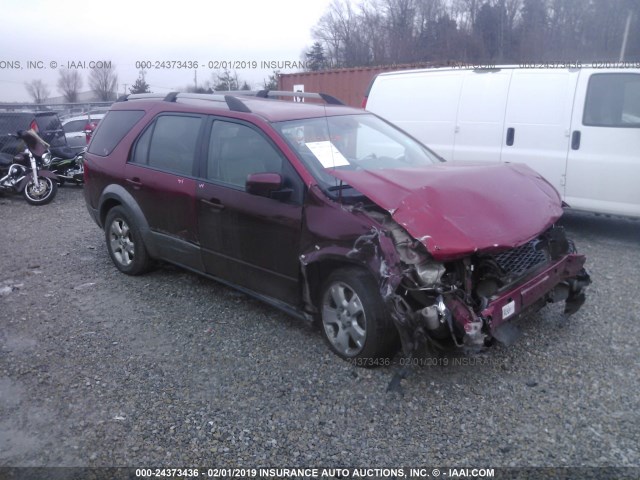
[101, 369]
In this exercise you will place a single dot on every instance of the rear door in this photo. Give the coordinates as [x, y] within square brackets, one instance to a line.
[538, 121]
[249, 240]
[160, 176]
[604, 159]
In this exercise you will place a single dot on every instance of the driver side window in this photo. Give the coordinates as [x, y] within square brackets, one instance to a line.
[236, 151]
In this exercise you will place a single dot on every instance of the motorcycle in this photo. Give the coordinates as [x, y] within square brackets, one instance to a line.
[24, 173]
[66, 164]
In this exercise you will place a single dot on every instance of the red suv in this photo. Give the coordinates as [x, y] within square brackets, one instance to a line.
[329, 213]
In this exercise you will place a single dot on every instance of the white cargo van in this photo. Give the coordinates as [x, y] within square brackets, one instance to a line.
[578, 127]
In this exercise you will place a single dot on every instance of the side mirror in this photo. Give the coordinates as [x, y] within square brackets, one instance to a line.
[263, 184]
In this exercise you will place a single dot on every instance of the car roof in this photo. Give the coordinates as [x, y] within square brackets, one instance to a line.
[270, 109]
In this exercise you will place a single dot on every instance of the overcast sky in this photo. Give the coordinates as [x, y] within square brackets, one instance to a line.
[124, 32]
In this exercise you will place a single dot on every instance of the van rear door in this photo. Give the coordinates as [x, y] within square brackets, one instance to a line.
[603, 168]
[538, 121]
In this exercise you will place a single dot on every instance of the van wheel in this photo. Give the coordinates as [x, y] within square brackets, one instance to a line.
[354, 319]
[124, 243]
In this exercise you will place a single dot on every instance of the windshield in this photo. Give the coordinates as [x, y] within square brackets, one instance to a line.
[352, 142]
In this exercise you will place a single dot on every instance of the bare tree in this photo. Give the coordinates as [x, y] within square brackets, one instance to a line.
[37, 90]
[401, 15]
[342, 31]
[226, 81]
[103, 83]
[69, 84]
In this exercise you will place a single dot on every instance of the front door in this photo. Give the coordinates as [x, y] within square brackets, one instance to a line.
[249, 240]
[604, 159]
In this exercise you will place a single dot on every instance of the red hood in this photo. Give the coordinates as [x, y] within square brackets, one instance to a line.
[458, 208]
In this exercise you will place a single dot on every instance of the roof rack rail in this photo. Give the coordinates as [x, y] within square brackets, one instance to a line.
[233, 99]
[232, 102]
[331, 100]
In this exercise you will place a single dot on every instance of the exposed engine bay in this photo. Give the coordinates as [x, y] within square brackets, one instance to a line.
[462, 303]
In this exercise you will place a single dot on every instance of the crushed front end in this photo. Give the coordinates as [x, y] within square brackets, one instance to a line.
[466, 302]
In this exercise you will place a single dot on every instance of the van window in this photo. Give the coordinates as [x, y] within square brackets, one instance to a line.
[115, 125]
[613, 100]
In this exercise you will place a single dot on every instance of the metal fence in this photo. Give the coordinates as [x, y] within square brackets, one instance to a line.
[62, 109]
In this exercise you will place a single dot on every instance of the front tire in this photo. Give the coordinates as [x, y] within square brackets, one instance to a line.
[354, 319]
[40, 194]
[124, 243]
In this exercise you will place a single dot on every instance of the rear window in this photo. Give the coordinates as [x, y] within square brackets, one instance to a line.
[112, 130]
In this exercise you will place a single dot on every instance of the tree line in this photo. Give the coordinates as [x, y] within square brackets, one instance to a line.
[103, 83]
[383, 32]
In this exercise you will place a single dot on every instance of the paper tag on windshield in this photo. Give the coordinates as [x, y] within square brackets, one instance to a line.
[328, 154]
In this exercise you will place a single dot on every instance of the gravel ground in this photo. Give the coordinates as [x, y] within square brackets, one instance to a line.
[101, 369]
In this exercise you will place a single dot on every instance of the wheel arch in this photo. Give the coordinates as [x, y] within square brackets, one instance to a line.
[318, 268]
[116, 195]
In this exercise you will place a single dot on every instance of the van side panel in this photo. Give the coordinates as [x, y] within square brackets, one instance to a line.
[603, 170]
[539, 112]
[423, 104]
[480, 119]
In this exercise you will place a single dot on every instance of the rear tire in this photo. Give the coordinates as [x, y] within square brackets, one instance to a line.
[124, 243]
[354, 319]
[42, 195]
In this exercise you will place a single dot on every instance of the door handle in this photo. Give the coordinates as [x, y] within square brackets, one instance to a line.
[511, 133]
[135, 182]
[214, 204]
[575, 140]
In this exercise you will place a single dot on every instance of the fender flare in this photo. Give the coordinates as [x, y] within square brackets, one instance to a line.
[117, 194]
[382, 263]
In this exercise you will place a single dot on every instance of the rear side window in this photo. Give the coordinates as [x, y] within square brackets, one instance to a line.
[613, 100]
[169, 144]
[112, 130]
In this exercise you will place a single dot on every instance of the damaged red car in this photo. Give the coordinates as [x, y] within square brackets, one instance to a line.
[332, 215]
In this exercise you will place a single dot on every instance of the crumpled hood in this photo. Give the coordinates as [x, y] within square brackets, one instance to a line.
[458, 208]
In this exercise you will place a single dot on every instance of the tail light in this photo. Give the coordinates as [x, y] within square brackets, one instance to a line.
[34, 126]
[364, 102]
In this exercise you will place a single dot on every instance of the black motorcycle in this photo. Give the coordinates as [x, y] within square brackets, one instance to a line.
[66, 163]
[24, 173]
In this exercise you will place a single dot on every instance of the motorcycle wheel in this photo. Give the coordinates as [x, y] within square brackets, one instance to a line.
[42, 195]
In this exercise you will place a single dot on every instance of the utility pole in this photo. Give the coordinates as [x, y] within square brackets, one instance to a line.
[624, 37]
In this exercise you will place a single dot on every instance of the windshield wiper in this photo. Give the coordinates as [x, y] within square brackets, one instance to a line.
[342, 186]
